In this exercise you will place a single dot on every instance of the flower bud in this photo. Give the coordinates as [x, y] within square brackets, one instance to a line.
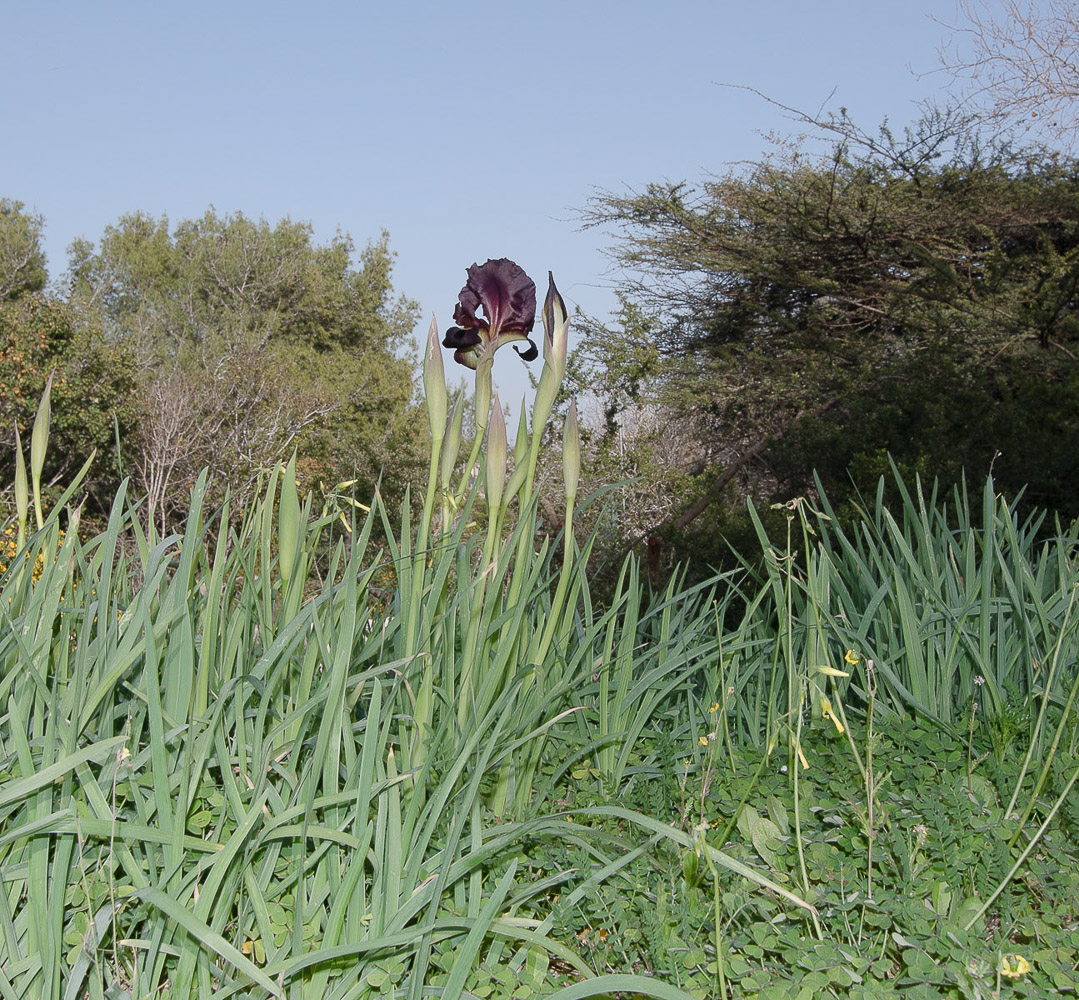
[288, 521]
[39, 442]
[556, 329]
[39, 438]
[22, 489]
[830, 671]
[434, 383]
[453, 442]
[829, 713]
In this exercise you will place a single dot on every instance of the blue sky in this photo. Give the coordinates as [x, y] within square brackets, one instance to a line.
[467, 130]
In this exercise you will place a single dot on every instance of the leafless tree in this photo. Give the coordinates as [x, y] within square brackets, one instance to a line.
[1018, 63]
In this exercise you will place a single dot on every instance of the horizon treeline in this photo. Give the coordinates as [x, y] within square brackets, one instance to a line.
[799, 323]
[219, 342]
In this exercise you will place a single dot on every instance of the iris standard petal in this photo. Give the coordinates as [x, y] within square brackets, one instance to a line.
[506, 293]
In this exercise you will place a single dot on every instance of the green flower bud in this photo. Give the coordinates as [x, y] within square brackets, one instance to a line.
[39, 442]
[556, 329]
[288, 522]
[22, 489]
[434, 383]
[453, 442]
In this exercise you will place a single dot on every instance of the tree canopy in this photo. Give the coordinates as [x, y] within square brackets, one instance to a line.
[220, 342]
[22, 260]
[250, 339]
[912, 295]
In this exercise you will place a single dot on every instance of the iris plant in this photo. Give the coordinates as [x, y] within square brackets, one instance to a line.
[496, 306]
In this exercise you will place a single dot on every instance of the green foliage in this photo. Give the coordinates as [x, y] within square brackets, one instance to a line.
[941, 849]
[251, 340]
[22, 259]
[92, 394]
[227, 789]
[908, 296]
[229, 764]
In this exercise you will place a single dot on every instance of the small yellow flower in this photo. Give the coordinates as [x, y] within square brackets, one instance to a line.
[851, 657]
[1021, 966]
[828, 713]
[714, 708]
[703, 741]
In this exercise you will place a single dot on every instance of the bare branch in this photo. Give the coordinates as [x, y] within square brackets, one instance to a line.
[1019, 67]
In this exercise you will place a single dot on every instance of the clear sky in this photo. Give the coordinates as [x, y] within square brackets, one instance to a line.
[467, 130]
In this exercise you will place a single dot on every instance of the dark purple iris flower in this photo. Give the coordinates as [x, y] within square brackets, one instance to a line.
[508, 298]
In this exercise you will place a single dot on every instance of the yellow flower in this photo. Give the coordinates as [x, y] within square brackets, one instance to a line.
[714, 708]
[851, 657]
[1021, 967]
[826, 711]
[703, 741]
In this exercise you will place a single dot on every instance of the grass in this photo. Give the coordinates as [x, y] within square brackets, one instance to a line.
[232, 762]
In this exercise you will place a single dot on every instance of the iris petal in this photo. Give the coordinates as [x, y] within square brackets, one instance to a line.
[456, 337]
[506, 293]
[507, 297]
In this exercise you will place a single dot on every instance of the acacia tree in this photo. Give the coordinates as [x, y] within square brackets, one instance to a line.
[888, 298]
[249, 340]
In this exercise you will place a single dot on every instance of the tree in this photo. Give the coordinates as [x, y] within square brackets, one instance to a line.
[22, 260]
[250, 340]
[913, 295]
[93, 393]
[1022, 64]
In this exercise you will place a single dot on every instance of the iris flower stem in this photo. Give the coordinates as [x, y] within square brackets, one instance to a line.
[541, 410]
[423, 536]
[419, 581]
[483, 415]
[488, 566]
